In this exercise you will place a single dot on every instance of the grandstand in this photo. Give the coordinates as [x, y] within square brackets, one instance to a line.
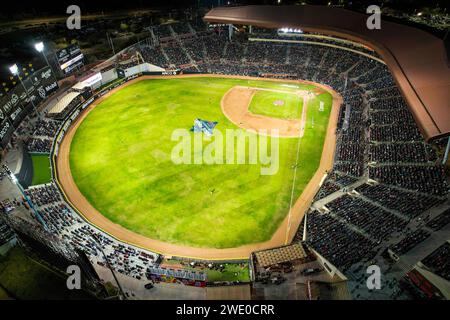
[387, 175]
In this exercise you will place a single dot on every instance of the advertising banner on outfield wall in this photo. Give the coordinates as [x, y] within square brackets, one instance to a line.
[162, 73]
[18, 103]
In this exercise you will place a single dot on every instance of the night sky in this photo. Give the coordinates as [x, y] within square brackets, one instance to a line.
[38, 7]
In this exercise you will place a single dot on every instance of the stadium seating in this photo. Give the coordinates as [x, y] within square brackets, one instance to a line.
[63, 221]
[377, 140]
[438, 261]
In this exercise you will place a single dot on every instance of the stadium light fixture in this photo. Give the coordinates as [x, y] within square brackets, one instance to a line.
[39, 46]
[14, 178]
[14, 69]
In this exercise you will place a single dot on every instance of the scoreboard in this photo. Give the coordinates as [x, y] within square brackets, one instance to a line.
[70, 58]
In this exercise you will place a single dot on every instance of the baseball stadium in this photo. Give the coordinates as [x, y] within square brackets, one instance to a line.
[169, 215]
[246, 152]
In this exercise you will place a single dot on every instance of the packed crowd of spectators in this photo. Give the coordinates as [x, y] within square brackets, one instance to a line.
[438, 261]
[155, 55]
[338, 243]
[374, 221]
[39, 145]
[409, 242]
[408, 203]
[46, 128]
[43, 194]
[439, 221]
[175, 53]
[36, 133]
[403, 152]
[395, 133]
[350, 168]
[427, 179]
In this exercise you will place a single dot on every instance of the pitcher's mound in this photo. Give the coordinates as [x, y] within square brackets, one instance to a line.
[278, 103]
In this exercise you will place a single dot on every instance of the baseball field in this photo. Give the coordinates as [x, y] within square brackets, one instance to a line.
[121, 160]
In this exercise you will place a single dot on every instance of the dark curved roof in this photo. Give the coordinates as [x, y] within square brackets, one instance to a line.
[417, 59]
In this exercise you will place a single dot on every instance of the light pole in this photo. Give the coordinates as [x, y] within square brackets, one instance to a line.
[15, 72]
[40, 48]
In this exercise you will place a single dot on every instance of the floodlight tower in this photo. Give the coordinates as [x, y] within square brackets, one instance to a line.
[39, 46]
[14, 69]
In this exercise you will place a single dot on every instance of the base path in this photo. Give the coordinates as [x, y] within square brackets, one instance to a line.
[93, 216]
[235, 104]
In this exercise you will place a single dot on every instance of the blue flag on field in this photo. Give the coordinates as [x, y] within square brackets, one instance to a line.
[204, 126]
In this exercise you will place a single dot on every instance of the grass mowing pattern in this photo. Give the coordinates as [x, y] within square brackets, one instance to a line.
[263, 104]
[41, 169]
[120, 160]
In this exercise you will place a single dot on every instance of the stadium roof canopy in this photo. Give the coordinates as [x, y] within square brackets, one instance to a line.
[417, 59]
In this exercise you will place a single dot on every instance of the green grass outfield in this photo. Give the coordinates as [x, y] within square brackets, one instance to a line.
[41, 169]
[120, 159]
[263, 104]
